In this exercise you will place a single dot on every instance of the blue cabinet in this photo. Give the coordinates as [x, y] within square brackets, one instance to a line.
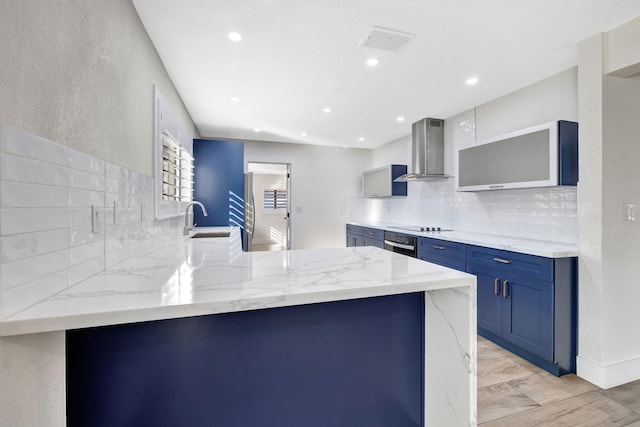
[373, 237]
[527, 304]
[356, 363]
[442, 252]
[354, 236]
[364, 236]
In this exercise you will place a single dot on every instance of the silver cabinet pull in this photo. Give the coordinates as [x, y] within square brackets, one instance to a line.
[503, 261]
[441, 248]
[496, 283]
[505, 289]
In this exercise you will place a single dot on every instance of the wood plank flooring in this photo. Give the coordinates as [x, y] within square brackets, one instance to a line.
[512, 392]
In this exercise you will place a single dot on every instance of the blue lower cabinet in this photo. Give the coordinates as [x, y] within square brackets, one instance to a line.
[354, 235]
[442, 252]
[534, 318]
[528, 314]
[357, 363]
[456, 264]
[489, 291]
[354, 240]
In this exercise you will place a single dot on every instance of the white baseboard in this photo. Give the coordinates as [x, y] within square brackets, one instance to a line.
[608, 376]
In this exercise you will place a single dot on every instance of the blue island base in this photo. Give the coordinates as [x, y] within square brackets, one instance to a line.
[346, 363]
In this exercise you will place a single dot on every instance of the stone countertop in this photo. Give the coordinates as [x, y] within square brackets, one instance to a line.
[191, 277]
[514, 244]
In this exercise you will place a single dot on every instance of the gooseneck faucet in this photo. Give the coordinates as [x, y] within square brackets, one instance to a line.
[187, 225]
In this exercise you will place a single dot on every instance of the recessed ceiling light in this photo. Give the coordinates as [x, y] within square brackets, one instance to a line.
[372, 62]
[400, 119]
[256, 130]
[303, 133]
[471, 81]
[234, 99]
[361, 139]
[234, 36]
[326, 110]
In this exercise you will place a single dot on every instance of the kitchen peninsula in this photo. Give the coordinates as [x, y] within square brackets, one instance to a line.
[348, 335]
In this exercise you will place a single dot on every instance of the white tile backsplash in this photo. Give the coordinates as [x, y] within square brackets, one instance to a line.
[46, 238]
[85, 180]
[25, 245]
[21, 195]
[85, 162]
[16, 221]
[14, 141]
[26, 270]
[13, 168]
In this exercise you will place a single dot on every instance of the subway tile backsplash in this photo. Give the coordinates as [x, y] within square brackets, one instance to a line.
[46, 239]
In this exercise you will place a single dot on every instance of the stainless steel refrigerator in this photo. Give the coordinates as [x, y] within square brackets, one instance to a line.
[249, 213]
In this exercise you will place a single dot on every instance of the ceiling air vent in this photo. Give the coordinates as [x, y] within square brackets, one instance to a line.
[386, 39]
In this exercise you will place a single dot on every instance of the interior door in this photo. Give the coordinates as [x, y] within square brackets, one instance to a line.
[288, 216]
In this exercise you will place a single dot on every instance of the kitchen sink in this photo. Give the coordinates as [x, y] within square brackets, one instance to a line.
[208, 234]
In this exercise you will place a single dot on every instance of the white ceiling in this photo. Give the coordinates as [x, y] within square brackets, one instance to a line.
[300, 56]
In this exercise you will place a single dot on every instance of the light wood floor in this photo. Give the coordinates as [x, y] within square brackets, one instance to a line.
[512, 392]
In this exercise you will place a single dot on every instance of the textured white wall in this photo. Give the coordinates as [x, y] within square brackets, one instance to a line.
[554, 98]
[322, 179]
[590, 225]
[609, 327]
[81, 73]
[621, 238]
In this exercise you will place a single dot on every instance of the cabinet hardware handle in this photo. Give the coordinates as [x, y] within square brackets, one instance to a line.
[399, 245]
[441, 248]
[496, 283]
[503, 261]
[370, 233]
[505, 289]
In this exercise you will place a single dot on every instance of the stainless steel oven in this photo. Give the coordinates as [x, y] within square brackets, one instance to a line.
[401, 243]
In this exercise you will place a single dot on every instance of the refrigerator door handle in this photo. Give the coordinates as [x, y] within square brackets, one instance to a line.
[253, 214]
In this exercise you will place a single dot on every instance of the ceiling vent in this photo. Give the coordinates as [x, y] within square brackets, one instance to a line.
[386, 39]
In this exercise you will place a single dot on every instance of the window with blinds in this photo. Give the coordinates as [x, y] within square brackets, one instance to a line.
[177, 170]
[275, 199]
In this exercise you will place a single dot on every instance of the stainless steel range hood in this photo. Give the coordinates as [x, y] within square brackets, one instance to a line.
[427, 151]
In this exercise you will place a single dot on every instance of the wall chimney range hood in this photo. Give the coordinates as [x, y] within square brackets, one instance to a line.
[427, 151]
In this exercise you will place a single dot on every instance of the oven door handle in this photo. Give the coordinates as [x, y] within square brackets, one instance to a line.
[399, 245]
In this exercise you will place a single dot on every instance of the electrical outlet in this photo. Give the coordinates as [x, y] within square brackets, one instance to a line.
[97, 219]
[116, 214]
[630, 211]
[143, 212]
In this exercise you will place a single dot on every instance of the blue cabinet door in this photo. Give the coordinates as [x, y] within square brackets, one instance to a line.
[528, 314]
[354, 240]
[489, 285]
[368, 241]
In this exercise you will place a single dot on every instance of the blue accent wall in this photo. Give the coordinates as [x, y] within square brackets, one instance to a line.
[219, 182]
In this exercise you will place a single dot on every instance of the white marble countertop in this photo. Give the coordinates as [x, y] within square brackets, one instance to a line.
[514, 244]
[192, 277]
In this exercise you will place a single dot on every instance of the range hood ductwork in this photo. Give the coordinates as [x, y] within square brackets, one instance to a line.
[427, 151]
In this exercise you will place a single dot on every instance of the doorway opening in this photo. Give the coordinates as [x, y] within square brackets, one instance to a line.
[271, 185]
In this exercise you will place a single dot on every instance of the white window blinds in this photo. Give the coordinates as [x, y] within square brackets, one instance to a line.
[177, 170]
